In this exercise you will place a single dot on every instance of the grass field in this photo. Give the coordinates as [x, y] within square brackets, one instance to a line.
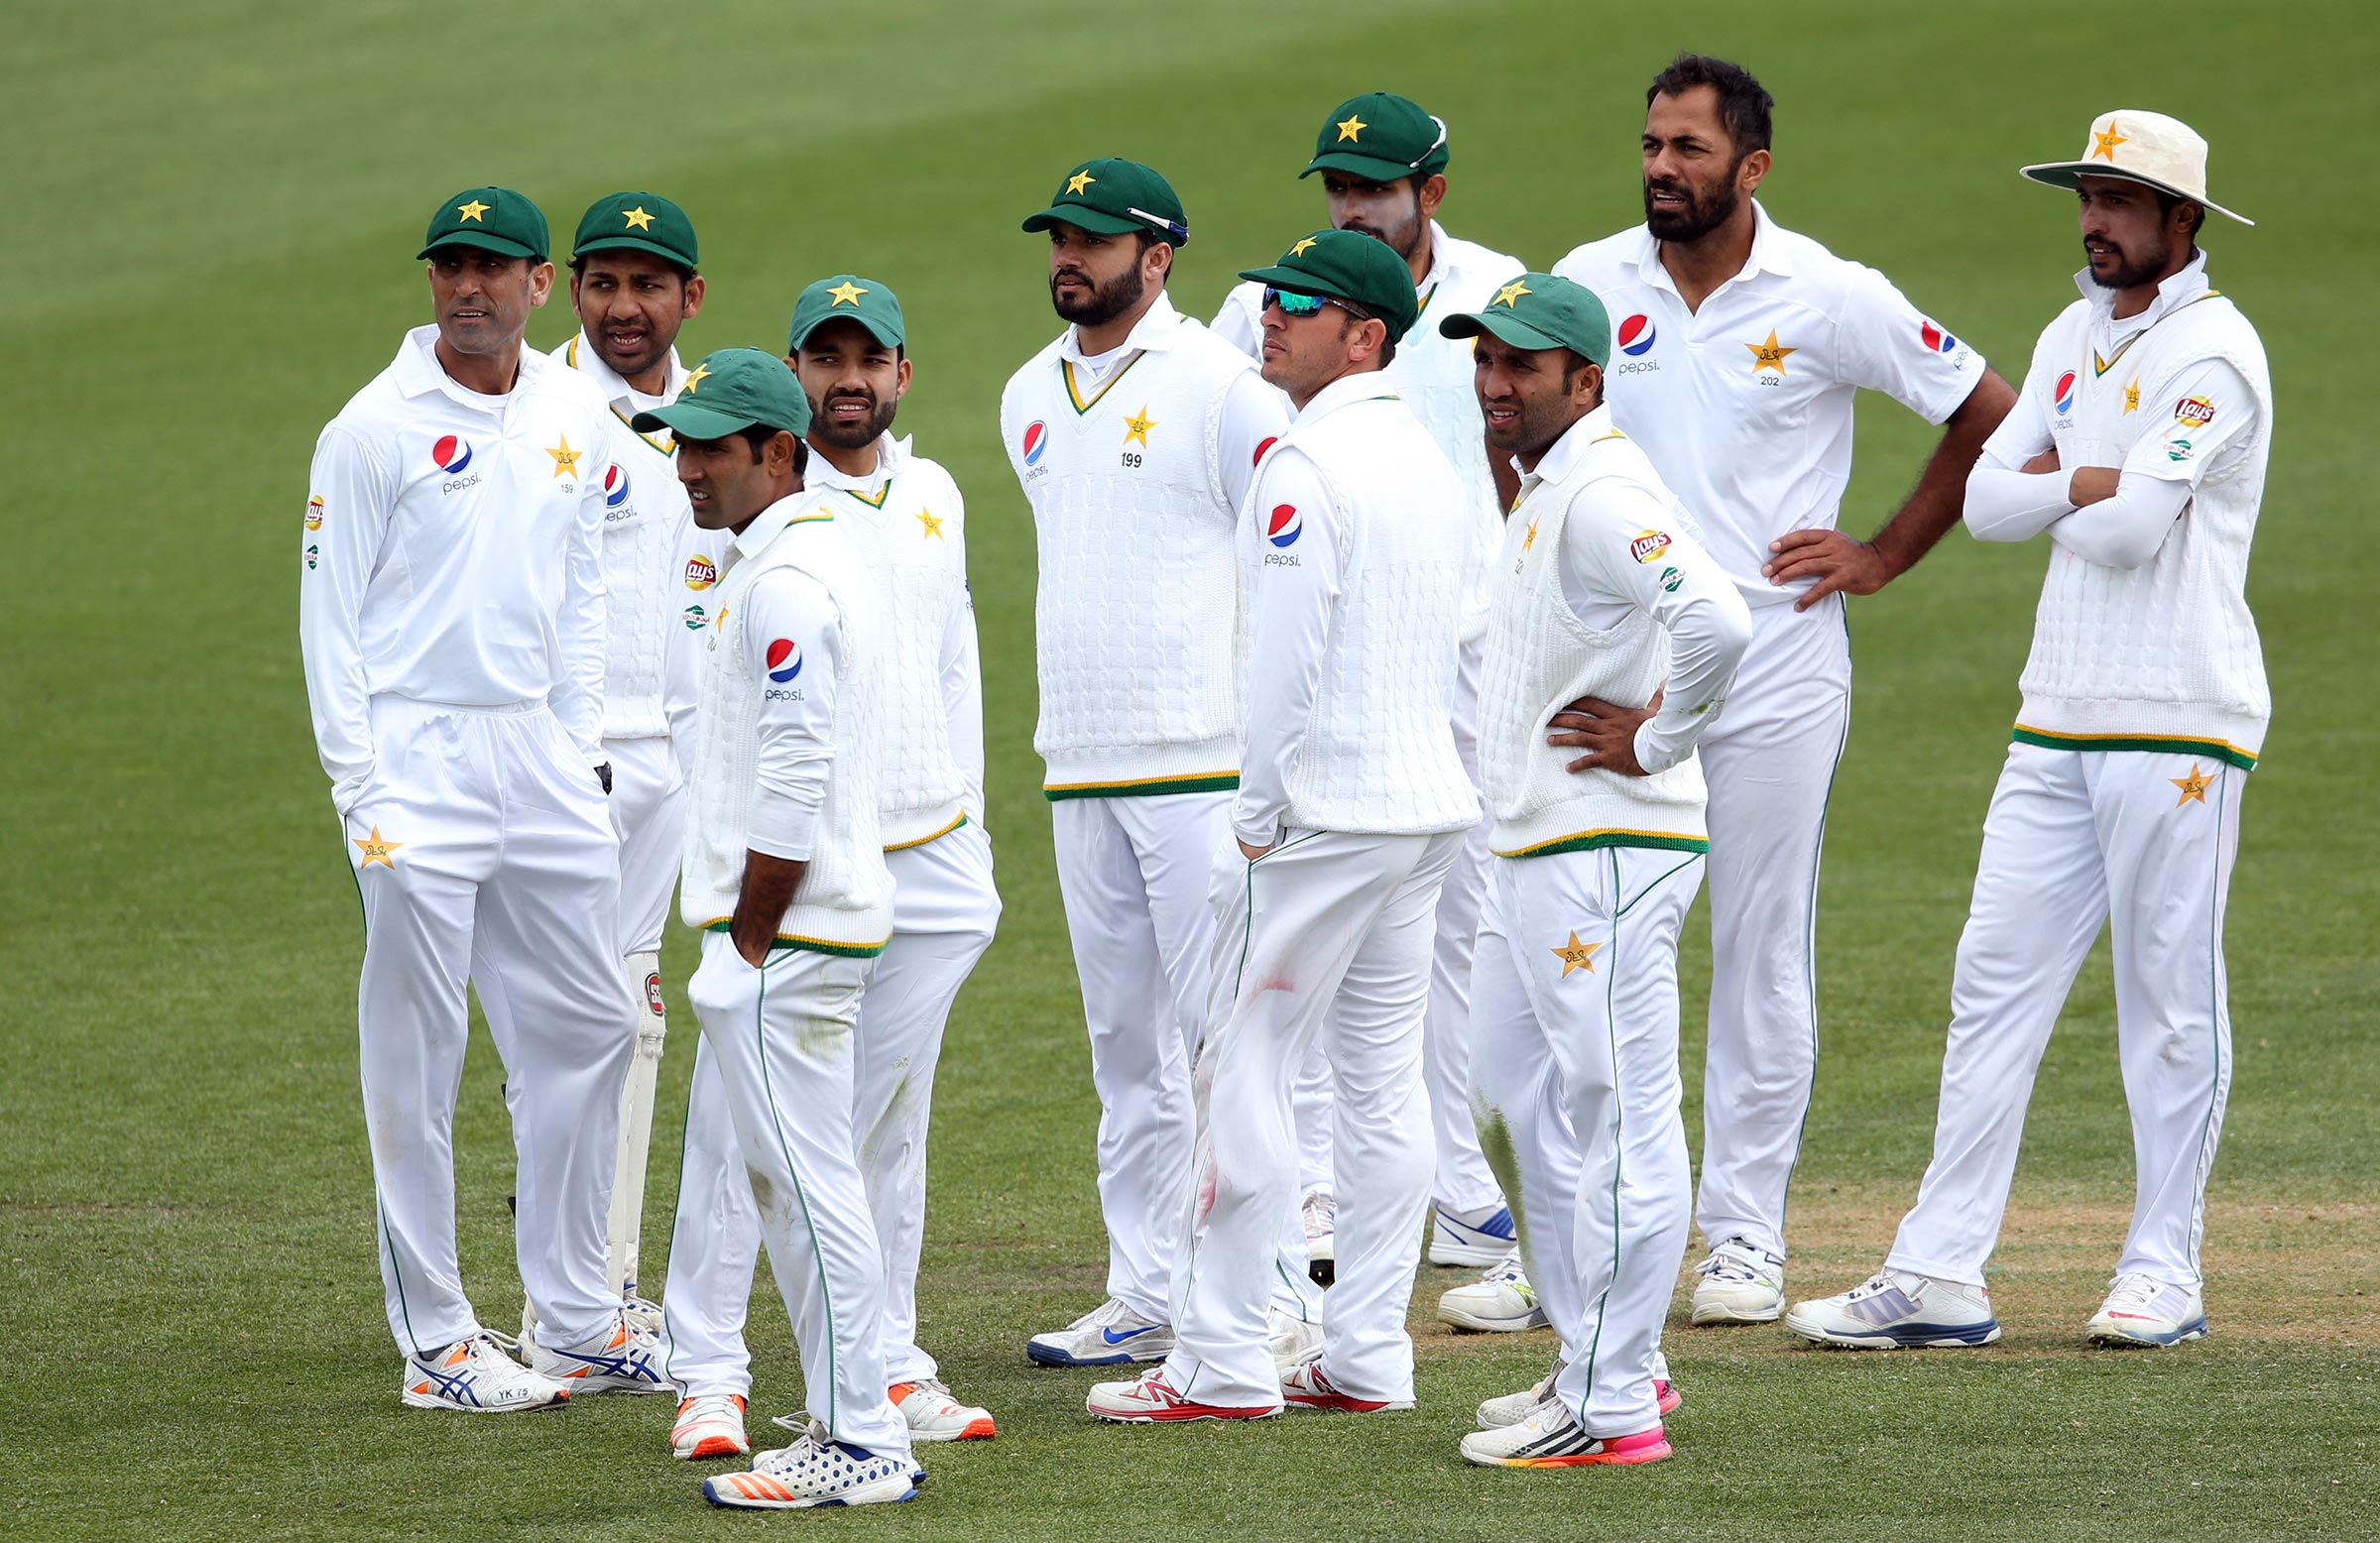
[214, 206]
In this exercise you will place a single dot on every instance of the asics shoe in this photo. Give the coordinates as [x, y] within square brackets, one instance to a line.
[1307, 1386]
[621, 1359]
[1899, 1310]
[2143, 1310]
[1498, 1302]
[476, 1374]
[1739, 1284]
[1319, 1213]
[1110, 1334]
[709, 1425]
[812, 1472]
[1551, 1437]
[1150, 1399]
[1512, 1408]
[640, 1313]
[1472, 1238]
[933, 1415]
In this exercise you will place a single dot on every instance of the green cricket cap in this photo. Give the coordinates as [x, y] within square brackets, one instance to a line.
[872, 304]
[1380, 138]
[635, 222]
[1349, 266]
[731, 391]
[492, 220]
[1537, 311]
[1116, 197]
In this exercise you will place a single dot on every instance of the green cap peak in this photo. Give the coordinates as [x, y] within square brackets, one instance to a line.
[1349, 266]
[1380, 138]
[1538, 311]
[731, 391]
[492, 219]
[637, 222]
[1115, 198]
[866, 301]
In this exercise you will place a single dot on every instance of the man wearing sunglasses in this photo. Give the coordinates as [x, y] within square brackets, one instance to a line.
[1355, 563]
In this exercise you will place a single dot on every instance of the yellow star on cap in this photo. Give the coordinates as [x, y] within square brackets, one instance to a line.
[1353, 128]
[2132, 396]
[2193, 787]
[1137, 428]
[472, 210]
[637, 219]
[1078, 182]
[377, 850]
[1576, 955]
[2103, 144]
[1512, 292]
[932, 522]
[846, 294]
[1303, 242]
[564, 458]
[1769, 355]
[701, 372]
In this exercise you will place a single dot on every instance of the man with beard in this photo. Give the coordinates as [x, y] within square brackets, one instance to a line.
[2139, 446]
[1383, 163]
[1135, 435]
[849, 348]
[1740, 349]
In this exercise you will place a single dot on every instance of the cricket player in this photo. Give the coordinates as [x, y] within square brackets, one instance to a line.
[632, 284]
[1603, 594]
[451, 617]
[1383, 163]
[1352, 802]
[2138, 445]
[1135, 434]
[1739, 348]
[785, 873]
[849, 349]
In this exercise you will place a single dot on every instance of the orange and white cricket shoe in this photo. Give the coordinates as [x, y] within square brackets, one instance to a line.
[475, 1374]
[1551, 1437]
[709, 1426]
[813, 1473]
[1150, 1399]
[933, 1415]
[623, 1359]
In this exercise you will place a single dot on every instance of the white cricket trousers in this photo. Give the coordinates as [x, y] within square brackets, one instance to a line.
[944, 910]
[485, 859]
[1327, 936]
[782, 1041]
[1769, 761]
[1575, 1059]
[648, 808]
[2144, 839]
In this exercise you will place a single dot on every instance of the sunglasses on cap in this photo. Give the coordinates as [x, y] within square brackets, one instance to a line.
[1308, 305]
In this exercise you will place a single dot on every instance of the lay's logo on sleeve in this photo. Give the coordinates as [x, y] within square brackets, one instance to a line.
[2193, 412]
[1649, 546]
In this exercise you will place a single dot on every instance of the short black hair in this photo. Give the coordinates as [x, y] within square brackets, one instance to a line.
[757, 436]
[2165, 206]
[1744, 104]
[1350, 313]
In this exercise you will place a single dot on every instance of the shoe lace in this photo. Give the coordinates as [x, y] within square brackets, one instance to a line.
[1507, 1269]
[1729, 1259]
[1319, 1211]
[2133, 1291]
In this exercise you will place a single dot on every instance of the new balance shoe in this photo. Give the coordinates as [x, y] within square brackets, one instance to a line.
[1292, 1339]
[1472, 1238]
[1512, 1408]
[1307, 1386]
[1551, 1437]
[813, 1473]
[933, 1415]
[2143, 1310]
[621, 1359]
[1150, 1399]
[1110, 1334]
[1498, 1302]
[1899, 1310]
[1739, 1284]
[475, 1374]
[709, 1426]
[1319, 1213]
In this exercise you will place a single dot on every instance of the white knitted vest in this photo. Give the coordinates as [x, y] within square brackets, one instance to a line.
[2166, 655]
[1136, 620]
[1540, 658]
[844, 904]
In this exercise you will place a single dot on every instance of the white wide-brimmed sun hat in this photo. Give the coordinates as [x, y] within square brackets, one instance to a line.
[2141, 147]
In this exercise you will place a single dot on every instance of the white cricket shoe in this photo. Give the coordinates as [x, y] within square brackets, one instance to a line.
[1498, 1302]
[1512, 1408]
[475, 1374]
[1307, 1386]
[1110, 1334]
[1897, 1310]
[1739, 1284]
[1150, 1399]
[641, 1314]
[933, 1415]
[1318, 1211]
[2143, 1310]
[812, 1472]
[1291, 1339]
[709, 1425]
[1550, 1436]
[1472, 1238]
[623, 1360]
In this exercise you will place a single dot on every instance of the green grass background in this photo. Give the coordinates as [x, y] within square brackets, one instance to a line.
[211, 212]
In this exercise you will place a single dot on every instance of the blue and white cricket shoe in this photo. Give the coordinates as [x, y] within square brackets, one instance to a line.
[1899, 1310]
[2143, 1310]
[1470, 1238]
[476, 1376]
[815, 1472]
[1110, 1334]
[623, 1359]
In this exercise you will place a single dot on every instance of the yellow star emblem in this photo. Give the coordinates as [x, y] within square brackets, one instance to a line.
[932, 522]
[1528, 538]
[2132, 396]
[1576, 955]
[2193, 787]
[847, 293]
[1769, 355]
[1137, 428]
[472, 210]
[1353, 128]
[702, 372]
[2103, 144]
[1512, 292]
[377, 849]
[637, 219]
[565, 460]
[1078, 182]
[1303, 242]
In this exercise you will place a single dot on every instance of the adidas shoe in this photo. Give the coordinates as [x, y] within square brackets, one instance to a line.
[1472, 1238]
[1319, 1213]
[1150, 1399]
[1110, 1334]
[1512, 1408]
[1307, 1386]
[709, 1426]
[1739, 1284]
[2143, 1310]
[933, 1415]
[623, 1361]
[812, 1472]
[475, 1374]
[1498, 1302]
[1551, 1437]
[1899, 1310]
